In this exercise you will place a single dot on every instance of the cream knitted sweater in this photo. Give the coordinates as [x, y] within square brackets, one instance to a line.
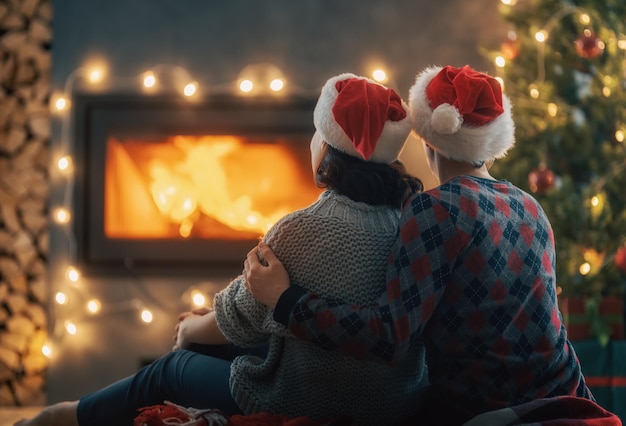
[337, 248]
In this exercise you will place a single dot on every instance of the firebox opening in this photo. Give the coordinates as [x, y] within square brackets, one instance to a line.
[212, 186]
[169, 186]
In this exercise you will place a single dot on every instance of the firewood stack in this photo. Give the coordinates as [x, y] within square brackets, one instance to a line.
[25, 60]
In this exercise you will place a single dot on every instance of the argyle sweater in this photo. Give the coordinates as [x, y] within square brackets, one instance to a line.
[472, 274]
[337, 248]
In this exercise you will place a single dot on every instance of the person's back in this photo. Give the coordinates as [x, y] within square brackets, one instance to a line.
[495, 338]
[342, 239]
[329, 246]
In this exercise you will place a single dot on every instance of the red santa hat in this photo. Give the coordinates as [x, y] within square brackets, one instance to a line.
[362, 118]
[462, 113]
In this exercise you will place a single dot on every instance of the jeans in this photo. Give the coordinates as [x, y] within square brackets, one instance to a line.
[189, 378]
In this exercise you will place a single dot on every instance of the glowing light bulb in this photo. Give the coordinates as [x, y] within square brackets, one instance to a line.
[60, 298]
[96, 75]
[71, 328]
[621, 44]
[94, 306]
[500, 61]
[198, 299]
[246, 86]
[64, 163]
[584, 19]
[146, 316]
[277, 85]
[606, 92]
[619, 136]
[584, 268]
[149, 79]
[379, 75]
[61, 215]
[190, 89]
[541, 36]
[509, 2]
[60, 104]
[553, 109]
[72, 274]
[46, 351]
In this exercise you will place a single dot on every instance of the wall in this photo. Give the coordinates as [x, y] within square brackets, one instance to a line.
[309, 40]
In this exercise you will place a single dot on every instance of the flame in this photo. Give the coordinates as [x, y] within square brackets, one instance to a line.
[212, 186]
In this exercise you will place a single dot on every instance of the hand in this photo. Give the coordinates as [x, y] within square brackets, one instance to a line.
[266, 277]
[180, 341]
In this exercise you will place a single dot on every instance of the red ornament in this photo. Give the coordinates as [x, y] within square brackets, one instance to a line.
[510, 48]
[620, 259]
[589, 46]
[541, 179]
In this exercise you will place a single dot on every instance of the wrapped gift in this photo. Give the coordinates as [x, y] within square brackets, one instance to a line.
[578, 321]
[604, 368]
[618, 382]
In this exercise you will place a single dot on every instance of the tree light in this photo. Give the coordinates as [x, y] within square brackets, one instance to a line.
[541, 36]
[64, 163]
[619, 136]
[500, 61]
[584, 268]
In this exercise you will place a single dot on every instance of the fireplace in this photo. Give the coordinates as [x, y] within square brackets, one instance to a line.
[164, 184]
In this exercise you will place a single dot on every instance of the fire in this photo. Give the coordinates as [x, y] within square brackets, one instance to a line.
[203, 186]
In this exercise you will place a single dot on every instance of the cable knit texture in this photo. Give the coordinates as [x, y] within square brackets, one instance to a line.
[337, 248]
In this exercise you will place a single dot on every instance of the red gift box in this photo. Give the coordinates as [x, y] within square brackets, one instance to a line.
[578, 322]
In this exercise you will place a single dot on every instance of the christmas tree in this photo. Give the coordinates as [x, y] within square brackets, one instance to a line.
[564, 67]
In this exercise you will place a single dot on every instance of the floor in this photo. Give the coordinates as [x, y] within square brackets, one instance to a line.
[9, 415]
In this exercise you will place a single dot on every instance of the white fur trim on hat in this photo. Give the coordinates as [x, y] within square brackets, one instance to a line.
[443, 128]
[389, 144]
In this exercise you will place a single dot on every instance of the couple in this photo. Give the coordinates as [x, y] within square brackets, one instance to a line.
[470, 286]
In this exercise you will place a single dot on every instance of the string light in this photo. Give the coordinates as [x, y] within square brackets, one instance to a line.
[246, 86]
[61, 215]
[277, 85]
[379, 75]
[94, 306]
[190, 89]
[60, 298]
[46, 350]
[500, 61]
[146, 316]
[256, 78]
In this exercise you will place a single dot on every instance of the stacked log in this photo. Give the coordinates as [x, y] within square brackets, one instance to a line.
[25, 58]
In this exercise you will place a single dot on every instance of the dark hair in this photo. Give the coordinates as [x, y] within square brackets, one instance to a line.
[366, 181]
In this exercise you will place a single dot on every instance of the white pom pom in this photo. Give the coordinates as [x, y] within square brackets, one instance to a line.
[446, 119]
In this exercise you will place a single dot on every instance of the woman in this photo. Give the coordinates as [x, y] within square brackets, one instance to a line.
[471, 275]
[344, 237]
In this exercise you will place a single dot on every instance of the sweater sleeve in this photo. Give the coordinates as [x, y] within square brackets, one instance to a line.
[239, 316]
[424, 253]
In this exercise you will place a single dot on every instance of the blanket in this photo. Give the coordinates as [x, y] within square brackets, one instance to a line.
[172, 414]
[557, 411]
